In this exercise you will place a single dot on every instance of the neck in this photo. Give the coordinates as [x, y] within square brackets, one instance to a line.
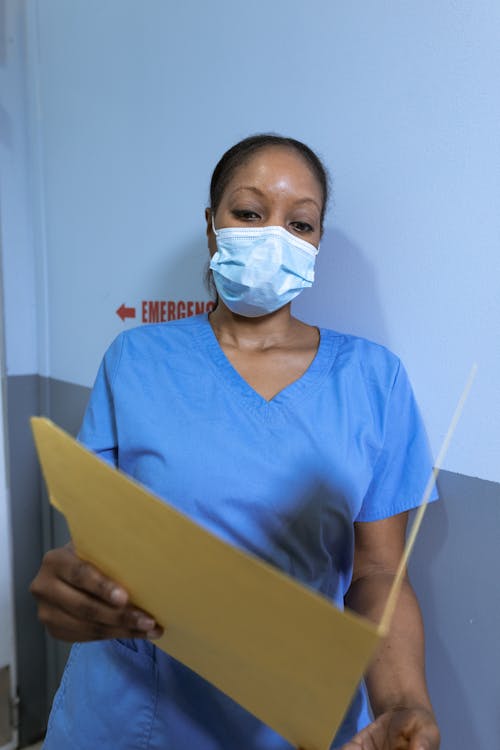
[252, 333]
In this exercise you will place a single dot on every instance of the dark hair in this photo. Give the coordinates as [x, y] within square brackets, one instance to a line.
[245, 149]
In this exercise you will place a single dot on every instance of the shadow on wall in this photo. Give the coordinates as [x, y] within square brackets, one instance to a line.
[179, 274]
[344, 295]
[437, 574]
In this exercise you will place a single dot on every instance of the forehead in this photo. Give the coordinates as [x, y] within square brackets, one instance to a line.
[277, 168]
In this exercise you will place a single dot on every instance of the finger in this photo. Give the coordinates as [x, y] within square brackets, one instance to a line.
[355, 744]
[65, 627]
[83, 575]
[63, 563]
[87, 608]
[375, 736]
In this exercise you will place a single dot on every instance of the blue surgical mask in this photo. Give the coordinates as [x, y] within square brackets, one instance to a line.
[257, 270]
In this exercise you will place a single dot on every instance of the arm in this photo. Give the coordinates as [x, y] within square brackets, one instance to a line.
[396, 679]
[76, 602]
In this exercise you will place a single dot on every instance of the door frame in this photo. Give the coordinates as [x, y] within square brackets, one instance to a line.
[7, 615]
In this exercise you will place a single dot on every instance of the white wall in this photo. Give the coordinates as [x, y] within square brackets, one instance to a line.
[138, 100]
[16, 194]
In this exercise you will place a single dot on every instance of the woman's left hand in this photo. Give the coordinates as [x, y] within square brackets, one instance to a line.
[399, 729]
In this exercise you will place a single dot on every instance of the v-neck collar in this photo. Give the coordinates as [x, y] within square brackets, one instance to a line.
[231, 378]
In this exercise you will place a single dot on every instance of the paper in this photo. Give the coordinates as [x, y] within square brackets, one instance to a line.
[283, 652]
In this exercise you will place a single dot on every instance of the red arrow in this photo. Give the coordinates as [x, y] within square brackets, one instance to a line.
[126, 312]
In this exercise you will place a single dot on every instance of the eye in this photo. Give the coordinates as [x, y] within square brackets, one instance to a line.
[245, 214]
[302, 227]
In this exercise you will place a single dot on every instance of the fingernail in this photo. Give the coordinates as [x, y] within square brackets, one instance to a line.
[145, 623]
[118, 596]
[153, 634]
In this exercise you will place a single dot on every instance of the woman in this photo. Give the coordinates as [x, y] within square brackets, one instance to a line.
[303, 446]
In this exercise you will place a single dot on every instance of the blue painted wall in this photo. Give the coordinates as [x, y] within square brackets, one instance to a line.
[135, 102]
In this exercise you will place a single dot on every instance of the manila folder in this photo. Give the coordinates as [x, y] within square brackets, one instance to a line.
[279, 649]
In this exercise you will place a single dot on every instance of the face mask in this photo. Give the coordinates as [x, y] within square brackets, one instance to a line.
[257, 270]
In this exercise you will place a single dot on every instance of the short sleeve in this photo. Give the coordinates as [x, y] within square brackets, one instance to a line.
[98, 431]
[404, 464]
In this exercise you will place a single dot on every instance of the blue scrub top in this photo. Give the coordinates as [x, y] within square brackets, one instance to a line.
[283, 479]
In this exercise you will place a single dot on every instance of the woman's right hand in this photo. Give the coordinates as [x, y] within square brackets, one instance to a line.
[78, 603]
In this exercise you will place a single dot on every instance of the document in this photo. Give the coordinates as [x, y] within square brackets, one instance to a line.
[282, 651]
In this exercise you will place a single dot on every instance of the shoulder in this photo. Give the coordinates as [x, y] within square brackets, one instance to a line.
[360, 359]
[156, 339]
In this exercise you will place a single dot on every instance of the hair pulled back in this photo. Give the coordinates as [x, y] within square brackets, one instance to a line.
[241, 152]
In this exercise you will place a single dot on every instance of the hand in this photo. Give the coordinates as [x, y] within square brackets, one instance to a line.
[78, 603]
[399, 729]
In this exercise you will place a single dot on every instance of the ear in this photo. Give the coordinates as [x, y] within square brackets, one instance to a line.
[208, 219]
[212, 245]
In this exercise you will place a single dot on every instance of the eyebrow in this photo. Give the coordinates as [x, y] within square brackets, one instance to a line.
[259, 192]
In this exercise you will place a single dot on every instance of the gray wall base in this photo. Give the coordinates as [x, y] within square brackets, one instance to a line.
[23, 399]
[454, 570]
[36, 528]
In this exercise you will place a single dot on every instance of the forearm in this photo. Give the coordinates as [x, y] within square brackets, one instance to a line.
[396, 676]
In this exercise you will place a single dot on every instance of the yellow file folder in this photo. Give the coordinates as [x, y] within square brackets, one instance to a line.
[282, 651]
